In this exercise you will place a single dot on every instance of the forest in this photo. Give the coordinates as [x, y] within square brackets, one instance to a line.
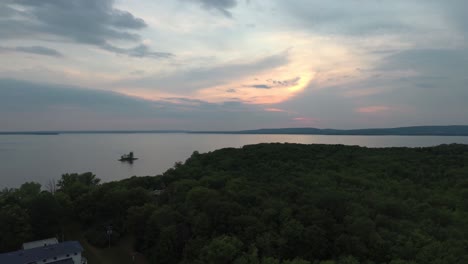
[266, 204]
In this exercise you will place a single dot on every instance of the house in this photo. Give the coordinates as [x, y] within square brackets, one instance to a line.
[46, 251]
[40, 243]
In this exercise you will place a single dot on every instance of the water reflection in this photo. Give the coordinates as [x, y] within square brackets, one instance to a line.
[41, 158]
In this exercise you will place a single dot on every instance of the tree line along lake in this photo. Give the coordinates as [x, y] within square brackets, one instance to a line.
[41, 158]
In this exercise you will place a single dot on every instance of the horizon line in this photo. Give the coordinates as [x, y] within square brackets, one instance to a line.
[149, 131]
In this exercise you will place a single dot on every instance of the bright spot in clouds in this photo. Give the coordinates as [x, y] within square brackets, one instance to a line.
[373, 109]
[173, 64]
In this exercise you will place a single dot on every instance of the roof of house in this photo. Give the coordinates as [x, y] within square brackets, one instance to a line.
[36, 254]
[40, 243]
[63, 261]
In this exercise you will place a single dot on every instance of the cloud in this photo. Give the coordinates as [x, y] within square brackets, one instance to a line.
[39, 50]
[89, 22]
[259, 86]
[437, 85]
[306, 120]
[275, 83]
[285, 83]
[6, 11]
[414, 86]
[443, 63]
[137, 72]
[220, 5]
[139, 51]
[412, 55]
[361, 18]
[23, 96]
[191, 80]
[455, 12]
[372, 109]
[271, 109]
[38, 106]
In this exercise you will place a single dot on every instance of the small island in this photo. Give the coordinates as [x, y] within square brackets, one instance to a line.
[128, 158]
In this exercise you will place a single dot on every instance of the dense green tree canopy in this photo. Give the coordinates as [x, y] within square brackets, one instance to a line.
[271, 204]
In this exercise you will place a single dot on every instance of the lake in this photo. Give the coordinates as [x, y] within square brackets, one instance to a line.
[42, 158]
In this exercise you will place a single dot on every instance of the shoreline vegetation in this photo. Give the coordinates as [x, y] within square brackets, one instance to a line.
[261, 204]
[460, 130]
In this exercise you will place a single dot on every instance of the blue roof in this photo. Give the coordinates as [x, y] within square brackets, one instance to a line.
[65, 261]
[38, 254]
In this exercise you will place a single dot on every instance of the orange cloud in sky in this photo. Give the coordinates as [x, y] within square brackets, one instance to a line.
[274, 86]
[306, 120]
[146, 94]
[373, 109]
[311, 62]
[275, 110]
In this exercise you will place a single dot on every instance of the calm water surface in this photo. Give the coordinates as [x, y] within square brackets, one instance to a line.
[41, 158]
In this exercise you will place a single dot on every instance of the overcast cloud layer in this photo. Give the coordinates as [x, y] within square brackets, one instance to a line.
[232, 64]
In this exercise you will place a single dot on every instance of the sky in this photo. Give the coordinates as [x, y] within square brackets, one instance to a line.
[232, 64]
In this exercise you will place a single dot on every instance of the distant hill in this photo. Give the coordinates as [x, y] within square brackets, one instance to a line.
[30, 133]
[399, 131]
[92, 132]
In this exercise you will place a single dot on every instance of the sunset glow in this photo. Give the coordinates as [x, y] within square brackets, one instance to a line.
[272, 63]
[373, 109]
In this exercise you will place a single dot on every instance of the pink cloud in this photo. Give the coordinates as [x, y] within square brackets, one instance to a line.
[275, 110]
[306, 120]
[364, 92]
[373, 109]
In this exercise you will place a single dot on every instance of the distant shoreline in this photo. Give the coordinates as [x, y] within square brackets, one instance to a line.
[400, 131]
[30, 133]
